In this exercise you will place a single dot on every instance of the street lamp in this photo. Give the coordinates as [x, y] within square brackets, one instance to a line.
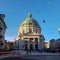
[59, 30]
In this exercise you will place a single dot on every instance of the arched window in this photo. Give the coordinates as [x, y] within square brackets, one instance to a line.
[22, 31]
[36, 31]
[30, 30]
[30, 23]
[36, 40]
[1, 29]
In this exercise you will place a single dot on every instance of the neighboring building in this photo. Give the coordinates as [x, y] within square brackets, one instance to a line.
[55, 44]
[47, 45]
[29, 35]
[10, 45]
[52, 43]
[2, 30]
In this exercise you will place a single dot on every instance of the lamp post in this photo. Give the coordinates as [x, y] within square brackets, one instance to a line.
[59, 30]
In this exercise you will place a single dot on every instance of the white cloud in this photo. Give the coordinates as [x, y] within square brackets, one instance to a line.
[9, 38]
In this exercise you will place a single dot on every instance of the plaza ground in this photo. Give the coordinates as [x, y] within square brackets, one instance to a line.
[42, 56]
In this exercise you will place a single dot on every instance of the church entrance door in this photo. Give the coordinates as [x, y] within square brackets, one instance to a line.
[26, 47]
[36, 46]
[31, 47]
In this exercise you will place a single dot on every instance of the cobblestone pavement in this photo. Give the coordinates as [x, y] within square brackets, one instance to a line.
[32, 57]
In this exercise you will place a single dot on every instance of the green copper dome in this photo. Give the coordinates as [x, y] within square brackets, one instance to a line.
[29, 25]
[29, 20]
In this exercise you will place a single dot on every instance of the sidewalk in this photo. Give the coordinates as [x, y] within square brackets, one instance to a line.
[1, 57]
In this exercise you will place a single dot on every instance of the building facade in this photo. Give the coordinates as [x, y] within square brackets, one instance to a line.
[9, 45]
[2, 30]
[29, 35]
[47, 45]
[55, 43]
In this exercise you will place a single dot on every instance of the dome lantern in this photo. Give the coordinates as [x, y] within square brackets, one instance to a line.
[29, 15]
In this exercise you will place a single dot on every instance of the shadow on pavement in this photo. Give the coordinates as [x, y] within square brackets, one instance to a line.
[15, 58]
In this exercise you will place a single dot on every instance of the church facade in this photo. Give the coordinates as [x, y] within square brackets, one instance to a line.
[29, 35]
[2, 31]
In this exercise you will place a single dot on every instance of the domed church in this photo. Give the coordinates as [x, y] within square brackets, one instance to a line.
[29, 35]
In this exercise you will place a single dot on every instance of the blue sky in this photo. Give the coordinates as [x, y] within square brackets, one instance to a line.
[17, 10]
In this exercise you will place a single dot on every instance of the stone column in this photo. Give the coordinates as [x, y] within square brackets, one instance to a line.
[38, 40]
[38, 43]
[34, 44]
[28, 44]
